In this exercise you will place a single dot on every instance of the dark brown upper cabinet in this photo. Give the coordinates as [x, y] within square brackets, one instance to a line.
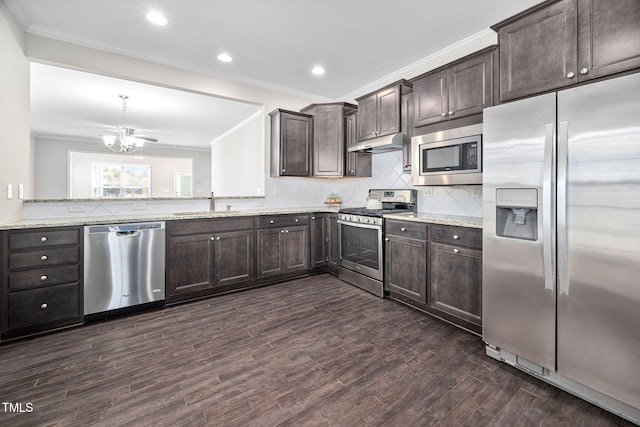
[560, 43]
[291, 138]
[379, 113]
[407, 129]
[459, 89]
[358, 163]
[329, 137]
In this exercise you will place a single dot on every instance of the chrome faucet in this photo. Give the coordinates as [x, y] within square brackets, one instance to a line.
[212, 203]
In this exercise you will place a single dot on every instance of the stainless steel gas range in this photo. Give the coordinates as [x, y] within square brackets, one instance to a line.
[361, 231]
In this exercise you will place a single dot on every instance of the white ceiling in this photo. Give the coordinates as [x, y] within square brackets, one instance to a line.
[73, 104]
[274, 44]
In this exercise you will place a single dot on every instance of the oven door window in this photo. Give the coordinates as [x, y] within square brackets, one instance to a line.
[360, 245]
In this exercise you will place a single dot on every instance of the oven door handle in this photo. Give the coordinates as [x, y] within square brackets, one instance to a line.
[360, 225]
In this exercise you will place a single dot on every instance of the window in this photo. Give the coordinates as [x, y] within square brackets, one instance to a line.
[121, 180]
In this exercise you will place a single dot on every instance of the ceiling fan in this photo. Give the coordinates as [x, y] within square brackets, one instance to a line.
[128, 141]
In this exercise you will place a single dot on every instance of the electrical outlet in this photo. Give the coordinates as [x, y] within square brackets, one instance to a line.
[20, 191]
[9, 191]
[139, 206]
[474, 190]
[76, 208]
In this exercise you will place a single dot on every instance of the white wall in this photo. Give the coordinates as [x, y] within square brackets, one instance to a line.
[14, 115]
[236, 161]
[51, 166]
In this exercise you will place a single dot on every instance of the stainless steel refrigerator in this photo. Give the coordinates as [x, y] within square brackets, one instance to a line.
[561, 239]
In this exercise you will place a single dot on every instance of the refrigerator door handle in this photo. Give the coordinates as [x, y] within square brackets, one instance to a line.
[563, 159]
[548, 225]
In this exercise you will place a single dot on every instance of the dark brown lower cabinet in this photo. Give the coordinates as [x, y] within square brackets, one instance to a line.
[406, 267]
[282, 250]
[406, 260]
[456, 282]
[333, 246]
[208, 256]
[437, 269]
[319, 256]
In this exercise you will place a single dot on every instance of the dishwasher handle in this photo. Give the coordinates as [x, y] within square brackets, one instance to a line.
[130, 233]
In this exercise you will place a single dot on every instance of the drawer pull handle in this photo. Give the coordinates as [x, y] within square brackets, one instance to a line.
[44, 258]
[44, 238]
[456, 237]
[455, 251]
[403, 229]
[43, 278]
[44, 305]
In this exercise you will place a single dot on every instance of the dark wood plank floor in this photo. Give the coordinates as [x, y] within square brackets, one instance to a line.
[314, 351]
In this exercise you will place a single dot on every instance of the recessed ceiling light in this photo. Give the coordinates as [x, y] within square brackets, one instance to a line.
[225, 57]
[157, 18]
[318, 71]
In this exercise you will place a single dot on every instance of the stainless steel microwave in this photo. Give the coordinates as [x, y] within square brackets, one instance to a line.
[448, 157]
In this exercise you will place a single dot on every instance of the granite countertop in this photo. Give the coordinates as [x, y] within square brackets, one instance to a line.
[75, 221]
[460, 221]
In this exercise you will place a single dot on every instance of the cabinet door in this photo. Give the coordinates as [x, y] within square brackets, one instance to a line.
[296, 249]
[406, 267]
[456, 282]
[234, 257]
[328, 140]
[538, 53]
[407, 130]
[357, 163]
[318, 241]
[270, 251]
[189, 264]
[333, 247]
[609, 37]
[367, 117]
[431, 103]
[296, 145]
[389, 111]
[470, 86]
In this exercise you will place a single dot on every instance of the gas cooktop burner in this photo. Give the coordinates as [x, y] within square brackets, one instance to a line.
[372, 212]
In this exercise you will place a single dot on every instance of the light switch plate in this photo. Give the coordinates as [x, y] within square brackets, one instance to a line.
[9, 191]
[20, 191]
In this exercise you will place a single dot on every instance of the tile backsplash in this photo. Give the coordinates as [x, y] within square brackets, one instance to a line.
[285, 193]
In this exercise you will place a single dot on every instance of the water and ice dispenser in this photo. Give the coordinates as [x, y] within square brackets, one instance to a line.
[517, 213]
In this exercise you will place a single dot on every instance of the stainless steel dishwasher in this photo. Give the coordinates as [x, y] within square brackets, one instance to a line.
[124, 265]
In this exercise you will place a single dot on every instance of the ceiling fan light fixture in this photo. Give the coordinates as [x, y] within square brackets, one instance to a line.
[109, 140]
[157, 18]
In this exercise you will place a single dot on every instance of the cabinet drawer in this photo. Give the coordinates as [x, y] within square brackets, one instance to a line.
[43, 238]
[44, 258]
[213, 225]
[458, 236]
[43, 277]
[282, 221]
[413, 230]
[44, 305]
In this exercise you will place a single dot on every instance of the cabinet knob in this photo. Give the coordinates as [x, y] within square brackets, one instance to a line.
[286, 231]
[444, 114]
[456, 237]
[455, 251]
[284, 170]
[312, 218]
[271, 222]
[584, 71]
[43, 278]
[352, 171]
[44, 258]
[386, 239]
[218, 238]
[403, 229]
[43, 305]
[571, 75]
[213, 238]
[296, 220]
[451, 113]
[44, 238]
[281, 231]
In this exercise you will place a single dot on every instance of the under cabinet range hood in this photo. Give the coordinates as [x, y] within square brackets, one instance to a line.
[381, 144]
